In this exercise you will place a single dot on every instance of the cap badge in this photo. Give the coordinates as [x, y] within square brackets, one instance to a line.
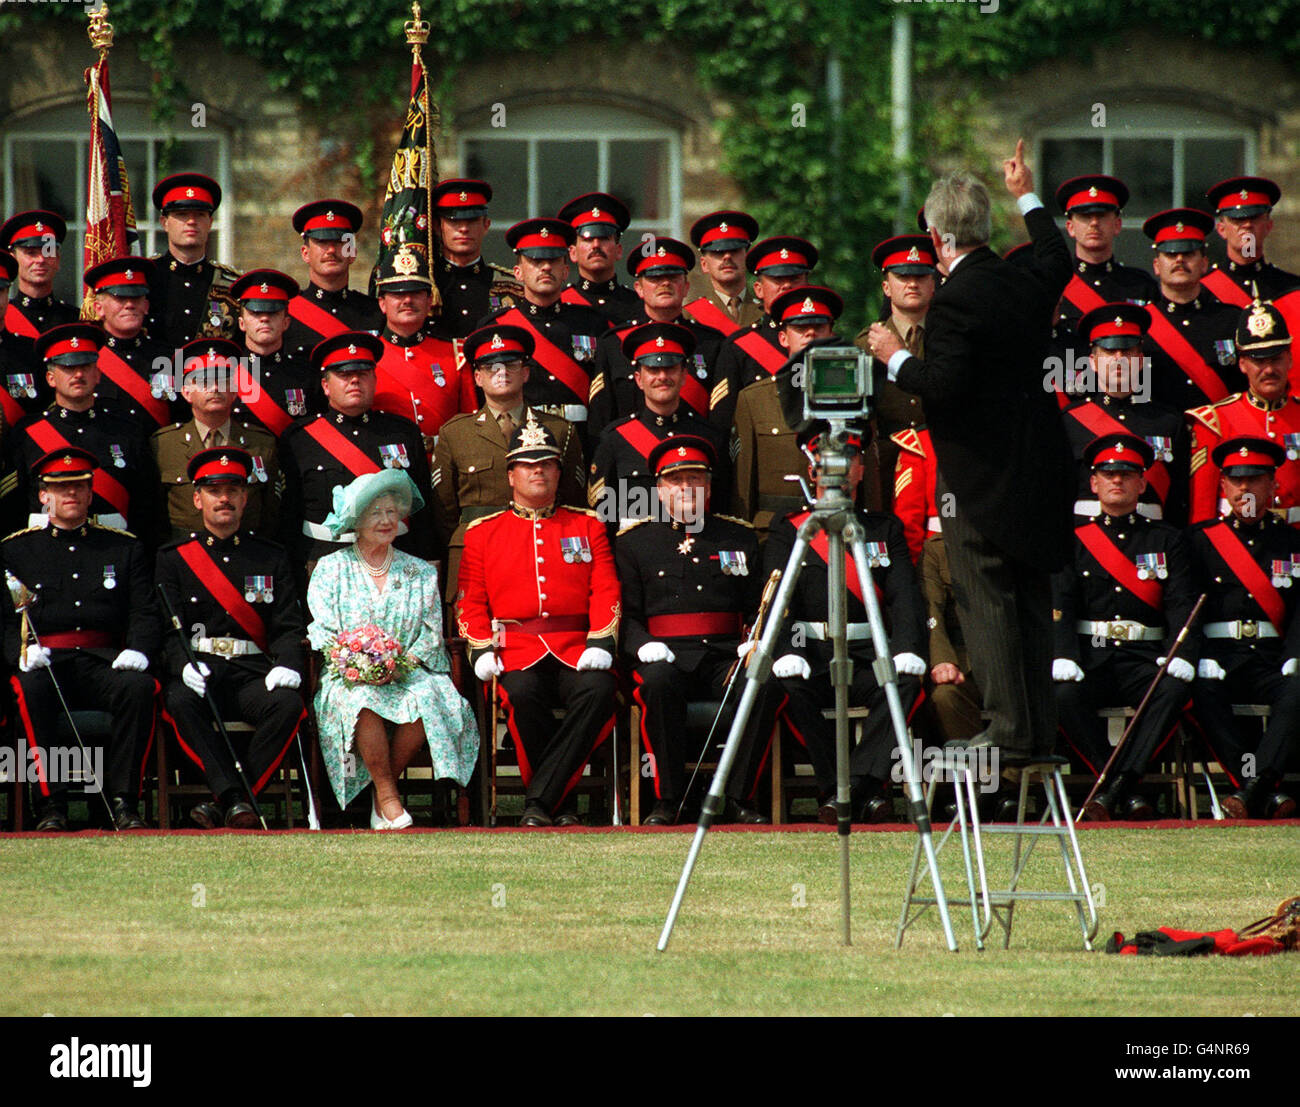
[661, 252]
[784, 253]
[352, 349]
[807, 305]
[405, 262]
[659, 341]
[913, 254]
[1244, 194]
[1119, 320]
[1092, 190]
[1244, 451]
[329, 217]
[595, 211]
[464, 196]
[1119, 447]
[681, 451]
[722, 227]
[74, 343]
[1260, 324]
[224, 460]
[39, 225]
[497, 342]
[533, 434]
[1178, 227]
[189, 192]
[545, 232]
[265, 287]
[128, 274]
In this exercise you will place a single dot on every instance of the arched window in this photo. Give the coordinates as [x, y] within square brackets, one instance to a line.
[45, 155]
[539, 158]
[1167, 155]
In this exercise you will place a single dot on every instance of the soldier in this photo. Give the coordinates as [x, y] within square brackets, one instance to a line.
[34, 238]
[599, 220]
[97, 624]
[137, 377]
[690, 579]
[1193, 360]
[804, 671]
[545, 576]
[1092, 206]
[763, 444]
[24, 389]
[238, 589]
[420, 375]
[1113, 334]
[908, 263]
[470, 287]
[564, 334]
[347, 440]
[753, 352]
[189, 294]
[1243, 218]
[1118, 606]
[209, 388]
[660, 285]
[274, 388]
[1248, 563]
[327, 306]
[125, 480]
[1267, 409]
[469, 461]
[622, 482]
[723, 301]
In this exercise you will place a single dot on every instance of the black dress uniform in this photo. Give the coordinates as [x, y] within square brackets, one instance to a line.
[95, 600]
[23, 388]
[35, 314]
[256, 571]
[144, 355]
[43, 312]
[1208, 327]
[575, 330]
[469, 292]
[1247, 277]
[188, 301]
[287, 381]
[690, 587]
[600, 215]
[871, 760]
[1240, 282]
[1113, 282]
[354, 310]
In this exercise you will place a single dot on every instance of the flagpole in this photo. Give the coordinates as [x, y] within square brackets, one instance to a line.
[100, 32]
[417, 34]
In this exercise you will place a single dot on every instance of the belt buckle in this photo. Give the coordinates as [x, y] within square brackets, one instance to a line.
[1119, 632]
[224, 647]
[1249, 628]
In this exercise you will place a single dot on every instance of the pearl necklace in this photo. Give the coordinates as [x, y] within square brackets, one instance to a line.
[374, 571]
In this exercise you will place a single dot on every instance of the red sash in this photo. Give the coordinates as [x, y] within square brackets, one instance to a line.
[821, 546]
[17, 323]
[315, 318]
[1082, 295]
[340, 449]
[269, 413]
[1225, 288]
[1247, 570]
[104, 484]
[1099, 422]
[416, 377]
[1120, 568]
[223, 591]
[129, 381]
[768, 356]
[572, 296]
[551, 358]
[13, 410]
[705, 311]
[640, 437]
[1185, 356]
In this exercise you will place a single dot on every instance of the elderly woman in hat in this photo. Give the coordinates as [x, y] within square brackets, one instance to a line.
[375, 712]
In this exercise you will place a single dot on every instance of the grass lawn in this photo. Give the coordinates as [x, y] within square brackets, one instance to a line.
[566, 922]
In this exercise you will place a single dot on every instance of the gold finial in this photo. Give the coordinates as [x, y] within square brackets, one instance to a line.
[100, 29]
[417, 30]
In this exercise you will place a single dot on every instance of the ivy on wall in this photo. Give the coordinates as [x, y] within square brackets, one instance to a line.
[805, 165]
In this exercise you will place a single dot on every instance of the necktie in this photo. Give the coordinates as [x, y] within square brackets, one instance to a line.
[506, 424]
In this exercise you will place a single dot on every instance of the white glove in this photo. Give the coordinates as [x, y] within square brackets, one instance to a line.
[282, 677]
[655, 651]
[748, 646]
[487, 666]
[1289, 667]
[909, 664]
[791, 665]
[131, 659]
[1179, 668]
[1064, 669]
[196, 680]
[38, 657]
[593, 657]
[1209, 669]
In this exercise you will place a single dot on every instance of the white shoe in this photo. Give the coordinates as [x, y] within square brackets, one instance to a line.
[401, 822]
[377, 821]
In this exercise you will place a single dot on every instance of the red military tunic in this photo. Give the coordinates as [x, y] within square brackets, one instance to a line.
[526, 569]
[1238, 415]
[915, 476]
[425, 381]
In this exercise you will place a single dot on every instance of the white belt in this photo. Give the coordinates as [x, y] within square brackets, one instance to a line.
[112, 519]
[933, 525]
[574, 413]
[1092, 508]
[1241, 628]
[1121, 630]
[318, 530]
[225, 647]
[820, 632]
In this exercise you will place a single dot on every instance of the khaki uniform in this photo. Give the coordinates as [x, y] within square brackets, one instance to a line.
[750, 311]
[895, 410]
[469, 477]
[765, 449]
[954, 708]
[173, 447]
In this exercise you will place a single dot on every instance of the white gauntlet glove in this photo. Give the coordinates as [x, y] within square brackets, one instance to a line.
[655, 651]
[196, 680]
[593, 657]
[38, 657]
[1179, 668]
[488, 666]
[1209, 669]
[132, 660]
[282, 677]
[1064, 669]
[909, 664]
[791, 665]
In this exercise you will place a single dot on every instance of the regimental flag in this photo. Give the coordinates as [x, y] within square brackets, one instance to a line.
[405, 220]
[110, 218]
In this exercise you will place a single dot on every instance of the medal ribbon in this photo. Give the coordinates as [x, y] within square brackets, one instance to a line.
[1112, 559]
[223, 591]
[1246, 569]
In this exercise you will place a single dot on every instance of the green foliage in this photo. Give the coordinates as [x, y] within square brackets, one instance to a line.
[831, 178]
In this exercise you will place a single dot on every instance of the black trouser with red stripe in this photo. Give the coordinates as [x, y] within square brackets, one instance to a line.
[1256, 680]
[552, 753]
[873, 757]
[240, 695]
[663, 692]
[1120, 680]
[89, 683]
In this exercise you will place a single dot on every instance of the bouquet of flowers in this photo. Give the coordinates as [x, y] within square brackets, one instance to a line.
[369, 655]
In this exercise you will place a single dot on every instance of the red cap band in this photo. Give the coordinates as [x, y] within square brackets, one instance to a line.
[187, 194]
[658, 345]
[347, 354]
[682, 457]
[1092, 195]
[1179, 232]
[783, 256]
[74, 345]
[1244, 198]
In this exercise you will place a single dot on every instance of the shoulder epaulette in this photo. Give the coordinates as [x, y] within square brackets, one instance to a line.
[909, 440]
[25, 530]
[111, 530]
[631, 526]
[736, 519]
[485, 518]
[226, 270]
[1208, 417]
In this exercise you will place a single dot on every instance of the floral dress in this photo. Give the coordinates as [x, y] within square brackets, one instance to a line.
[343, 596]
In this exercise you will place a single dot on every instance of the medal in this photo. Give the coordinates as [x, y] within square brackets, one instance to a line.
[584, 347]
[1292, 443]
[259, 469]
[296, 401]
[701, 370]
[110, 577]
[394, 456]
[1282, 574]
[118, 459]
[877, 555]
[438, 378]
[250, 589]
[158, 385]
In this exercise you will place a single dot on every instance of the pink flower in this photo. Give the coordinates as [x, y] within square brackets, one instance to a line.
[351, 674]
